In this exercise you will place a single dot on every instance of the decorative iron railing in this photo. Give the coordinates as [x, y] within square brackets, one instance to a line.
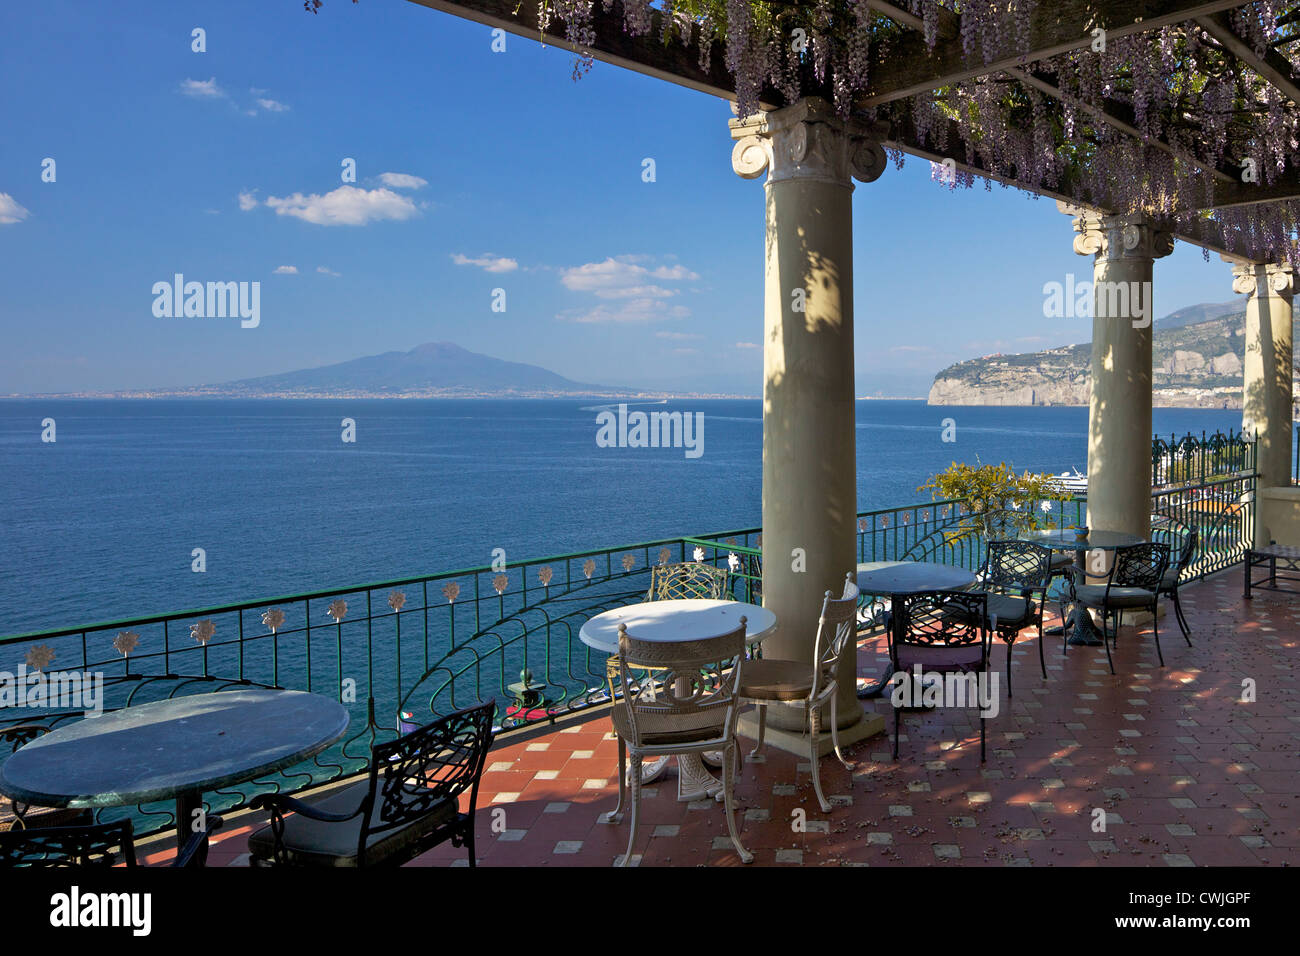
[1191, 459]
[406, 650]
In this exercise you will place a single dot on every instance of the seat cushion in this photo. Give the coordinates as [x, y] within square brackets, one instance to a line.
[776, 680]
[319, 843]
[1011, 611]
[1062, 560]
[1093, 595]
[684, 729]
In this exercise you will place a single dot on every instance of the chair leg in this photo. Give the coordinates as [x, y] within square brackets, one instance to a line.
[762, 725]
[616, 815]
[1155, 629]
[636, 805]
[1182, 619]
[1009, 643]
[1042, 663]
[982, 723]
[729, 759]
[814, 720]
[897, 711]
[1105, 640]
[835, 731]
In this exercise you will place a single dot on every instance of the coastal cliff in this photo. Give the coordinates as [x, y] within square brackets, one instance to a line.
[1194, 364]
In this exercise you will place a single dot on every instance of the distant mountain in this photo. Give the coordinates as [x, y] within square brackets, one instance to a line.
[1195, 314]
[1196, 362]
[433, 367]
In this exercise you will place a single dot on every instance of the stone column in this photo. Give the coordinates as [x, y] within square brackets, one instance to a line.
[809, 460]
[1119, 410]
[1266, 395]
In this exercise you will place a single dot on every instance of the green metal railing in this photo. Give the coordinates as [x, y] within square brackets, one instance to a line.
[398, 653]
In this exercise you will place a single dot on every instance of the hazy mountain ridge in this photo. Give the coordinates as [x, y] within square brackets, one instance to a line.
[432, 370]
[1197, 362]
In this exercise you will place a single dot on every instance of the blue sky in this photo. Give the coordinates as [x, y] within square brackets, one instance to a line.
[502, 173]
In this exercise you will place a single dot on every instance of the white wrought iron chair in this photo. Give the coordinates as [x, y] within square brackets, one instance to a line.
[691, 710]
[805, 685]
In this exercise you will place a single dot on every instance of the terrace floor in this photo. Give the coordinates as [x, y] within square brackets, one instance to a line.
[1188, 774]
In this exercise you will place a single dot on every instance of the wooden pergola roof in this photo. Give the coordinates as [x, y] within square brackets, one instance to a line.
[909, 66]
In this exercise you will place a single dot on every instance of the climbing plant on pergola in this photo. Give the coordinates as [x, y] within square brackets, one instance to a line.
[1185, 111]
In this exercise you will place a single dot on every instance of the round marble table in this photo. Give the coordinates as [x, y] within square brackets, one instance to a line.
[689, 619]
[1082, 629]
[898, 579]
[172, 749]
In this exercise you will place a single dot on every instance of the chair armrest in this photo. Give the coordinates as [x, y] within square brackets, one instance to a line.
[279, 804]
[194, 851]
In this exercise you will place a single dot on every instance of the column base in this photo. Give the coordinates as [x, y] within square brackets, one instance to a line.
[868, 725]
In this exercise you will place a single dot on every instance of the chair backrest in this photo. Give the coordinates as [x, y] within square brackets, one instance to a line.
[1140, 565]
[837, 626]
[692, 579]
[693, 679]
[101, 844]
[1180, 537]
[1016, 565]
[418, 772]
[940, 620]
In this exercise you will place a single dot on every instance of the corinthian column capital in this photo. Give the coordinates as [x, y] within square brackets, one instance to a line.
[806, 141]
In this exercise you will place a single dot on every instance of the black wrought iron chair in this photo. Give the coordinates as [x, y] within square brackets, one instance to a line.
[1016, 575]
[1182, 540]
[942, 632]
[409, 802]
[97, 844]
[16, 815]
[1132, 585]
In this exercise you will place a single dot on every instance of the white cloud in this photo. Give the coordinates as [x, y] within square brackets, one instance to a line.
[272, 106]
[402, 181]
[677, 336]
[328, 272]
[247, 200]
[285, 271]
[345, 206]
[203, 89]
[627, 311]
[487, 262]
[674, 273]
[748, 345]
[10, 211]
[624, 279]
[621, 278]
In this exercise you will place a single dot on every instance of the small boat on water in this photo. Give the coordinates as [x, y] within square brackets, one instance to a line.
[1073, 481]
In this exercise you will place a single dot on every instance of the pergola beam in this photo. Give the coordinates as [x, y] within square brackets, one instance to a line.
[913, 68]
[674, 62]
[678, 63]
[1272, 66]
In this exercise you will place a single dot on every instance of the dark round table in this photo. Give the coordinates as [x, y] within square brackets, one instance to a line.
[899, 579]
[172, 749]
[1082, 630]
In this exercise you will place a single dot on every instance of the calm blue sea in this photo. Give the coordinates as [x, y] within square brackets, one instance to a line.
[101, 524]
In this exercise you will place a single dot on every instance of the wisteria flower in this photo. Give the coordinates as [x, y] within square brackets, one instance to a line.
[337, 609]
[588, 568]
[202, 631]
[273, 619]
[396, 600]
[698, 554]
[545, 575]
[451, 591]
[500, 583]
